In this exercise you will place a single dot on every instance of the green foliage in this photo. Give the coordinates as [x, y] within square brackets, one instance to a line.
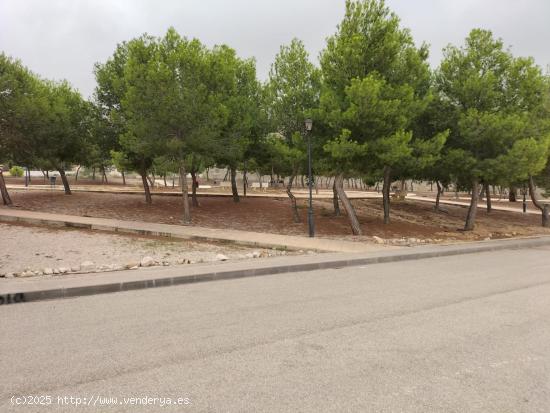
[292, 90]
[346, 153]
[17, 171]
[376, 85]
[498, 111]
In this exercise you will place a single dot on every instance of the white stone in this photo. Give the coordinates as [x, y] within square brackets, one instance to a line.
[56, 271]
[378, 240]
[87, 266]
[147, 262]
[9, 275]
[221, 257]
[256, 254]
[63, 270]
[75, 268]
[48, 271]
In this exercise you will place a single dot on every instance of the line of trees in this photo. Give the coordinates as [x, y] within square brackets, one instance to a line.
[173, 105]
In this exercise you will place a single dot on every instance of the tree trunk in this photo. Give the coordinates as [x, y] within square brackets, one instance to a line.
[194, 200]
[185, 195]
[104, 175]
[544, 208]
[4, 190]
[245, 182]
[335, 202]
[303, 185]
[488, 198]
[93, 173]
[295, 214]
[472, 211]
[512, 196]
[65, 181]
[148, 198]
[316, 184]
[151, 180]
[164, 179]
[123, 178]
[234, 184]
[354, 222]
[438, 196]
[386, 194]
[76, 175]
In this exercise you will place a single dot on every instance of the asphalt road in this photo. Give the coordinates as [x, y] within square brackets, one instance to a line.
[456, 334]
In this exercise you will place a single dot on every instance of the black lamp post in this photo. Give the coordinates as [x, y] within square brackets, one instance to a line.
[311, 224]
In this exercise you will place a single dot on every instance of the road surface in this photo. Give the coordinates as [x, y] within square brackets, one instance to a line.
[456, 334]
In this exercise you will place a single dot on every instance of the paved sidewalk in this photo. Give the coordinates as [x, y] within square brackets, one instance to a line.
[467, 204]
[17, 290]
[254, 239]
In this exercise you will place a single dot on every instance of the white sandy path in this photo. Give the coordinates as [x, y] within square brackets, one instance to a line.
[35, 248]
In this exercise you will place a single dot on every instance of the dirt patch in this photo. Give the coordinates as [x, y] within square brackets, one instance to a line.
[28, 248]
[272, 215]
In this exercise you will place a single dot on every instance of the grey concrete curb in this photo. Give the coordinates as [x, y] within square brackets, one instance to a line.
[316, 263]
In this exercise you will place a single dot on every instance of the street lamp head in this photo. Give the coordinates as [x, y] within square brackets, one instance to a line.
[309, 124]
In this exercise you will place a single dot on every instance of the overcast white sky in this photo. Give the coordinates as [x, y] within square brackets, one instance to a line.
[64, 38]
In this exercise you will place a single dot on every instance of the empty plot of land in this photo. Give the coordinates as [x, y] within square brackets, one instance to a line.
[27, 249]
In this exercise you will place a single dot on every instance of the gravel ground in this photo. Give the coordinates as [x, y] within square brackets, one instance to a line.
[27, 250]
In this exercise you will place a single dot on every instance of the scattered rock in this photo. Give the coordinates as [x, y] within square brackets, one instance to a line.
[147, 262]
[378, 240]
[9, 275]
[249, 255]
[56, 271]
[256, 254]
[63, 270]
[87, 266]
[221, 257]
[75, 268]
[48, 271]
[131, 265]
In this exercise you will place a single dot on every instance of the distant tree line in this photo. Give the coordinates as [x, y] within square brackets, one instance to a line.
[173, 105]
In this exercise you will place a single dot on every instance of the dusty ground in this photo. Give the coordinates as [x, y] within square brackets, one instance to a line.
[33, 248]
[409, 218]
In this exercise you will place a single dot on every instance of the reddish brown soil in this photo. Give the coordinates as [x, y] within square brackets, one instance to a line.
[409, 218]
